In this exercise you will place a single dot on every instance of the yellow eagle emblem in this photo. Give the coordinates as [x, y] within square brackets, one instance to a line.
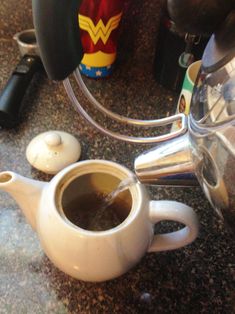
[99, 31]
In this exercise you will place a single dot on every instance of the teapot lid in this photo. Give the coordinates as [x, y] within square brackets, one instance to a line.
[52, 151]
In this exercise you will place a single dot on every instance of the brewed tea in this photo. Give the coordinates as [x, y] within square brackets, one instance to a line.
[90, 212]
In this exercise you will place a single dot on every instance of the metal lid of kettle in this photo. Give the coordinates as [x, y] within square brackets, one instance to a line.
[221, 47]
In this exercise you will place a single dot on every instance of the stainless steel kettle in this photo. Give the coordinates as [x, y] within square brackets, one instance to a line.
[208, 148]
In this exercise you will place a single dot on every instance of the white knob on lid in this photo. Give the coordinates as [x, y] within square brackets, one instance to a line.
[53, 139]
[52, 151]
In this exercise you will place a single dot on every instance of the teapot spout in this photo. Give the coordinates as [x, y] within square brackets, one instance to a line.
[170, 163]
[26, 192]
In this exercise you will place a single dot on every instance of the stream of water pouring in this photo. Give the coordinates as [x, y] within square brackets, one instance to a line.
[109, 198]
[123, 185]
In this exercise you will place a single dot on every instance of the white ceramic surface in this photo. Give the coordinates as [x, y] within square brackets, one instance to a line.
[103, 255]
[52, 151]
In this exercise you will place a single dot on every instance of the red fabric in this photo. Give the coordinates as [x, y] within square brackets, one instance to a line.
[104, 10]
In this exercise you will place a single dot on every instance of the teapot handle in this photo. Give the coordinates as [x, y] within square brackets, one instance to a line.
[175, 211]
[58, 36]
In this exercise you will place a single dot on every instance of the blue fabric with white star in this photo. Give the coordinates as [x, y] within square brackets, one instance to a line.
[95, 72]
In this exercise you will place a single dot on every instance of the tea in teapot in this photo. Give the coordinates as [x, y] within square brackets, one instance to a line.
[61, 209]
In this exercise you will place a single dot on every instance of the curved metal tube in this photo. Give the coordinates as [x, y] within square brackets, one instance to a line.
[115, 116]
[122, 119]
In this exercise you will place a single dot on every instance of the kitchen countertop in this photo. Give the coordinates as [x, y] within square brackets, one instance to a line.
[199, 278]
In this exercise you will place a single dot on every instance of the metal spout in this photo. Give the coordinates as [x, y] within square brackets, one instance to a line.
[170, 163]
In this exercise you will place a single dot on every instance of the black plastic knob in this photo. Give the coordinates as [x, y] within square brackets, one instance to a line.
[11, 97]
[58, 35]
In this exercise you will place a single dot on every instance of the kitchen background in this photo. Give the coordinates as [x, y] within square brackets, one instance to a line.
[197, 279]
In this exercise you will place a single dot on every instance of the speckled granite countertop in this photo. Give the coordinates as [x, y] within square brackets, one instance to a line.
[197, 279]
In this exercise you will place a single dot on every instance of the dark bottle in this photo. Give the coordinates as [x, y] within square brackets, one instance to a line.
[171, 45]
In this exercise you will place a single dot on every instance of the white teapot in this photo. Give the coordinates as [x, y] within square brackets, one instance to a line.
[92, 255]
